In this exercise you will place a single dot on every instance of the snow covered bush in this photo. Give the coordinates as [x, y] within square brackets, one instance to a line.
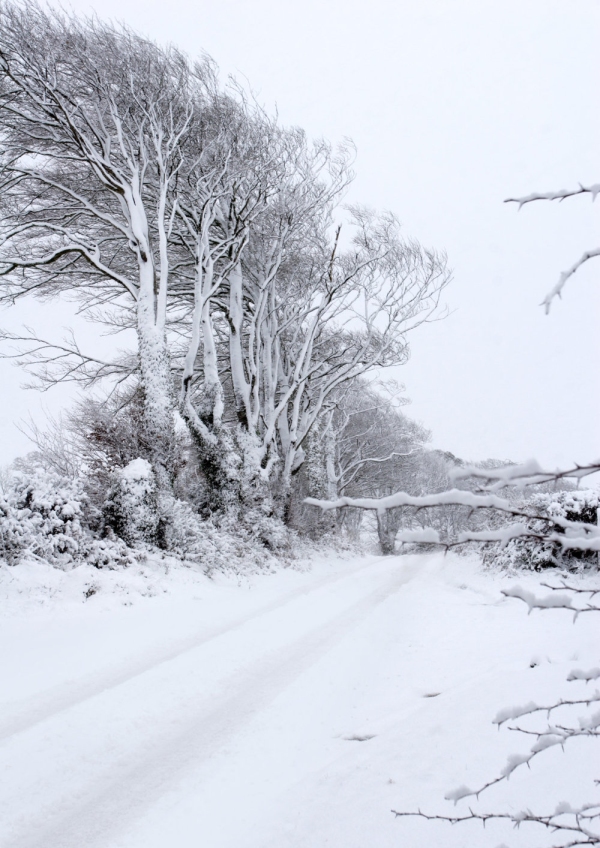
[111, 553]
[183, 533]
[131, 509]
[41, 515]
[542, 550]
[13, 534]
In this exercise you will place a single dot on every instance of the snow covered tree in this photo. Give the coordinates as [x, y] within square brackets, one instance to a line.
[277, 317]
[93, 119]
[364, 442]
[253, 196]
[165, 205]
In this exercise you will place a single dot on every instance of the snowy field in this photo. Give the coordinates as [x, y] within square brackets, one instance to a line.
[147, 709]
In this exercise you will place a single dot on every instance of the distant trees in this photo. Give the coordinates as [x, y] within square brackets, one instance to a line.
[363, 442]
[131, 181]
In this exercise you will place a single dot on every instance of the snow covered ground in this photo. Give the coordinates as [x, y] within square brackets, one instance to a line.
[288, 710]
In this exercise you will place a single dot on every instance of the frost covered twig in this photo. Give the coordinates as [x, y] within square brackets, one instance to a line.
[590, 254]
[556, 195]
[564, 820]
[555, 601]
[528, 473]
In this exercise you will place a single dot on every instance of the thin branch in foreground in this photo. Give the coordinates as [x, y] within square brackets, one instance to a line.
[565, 820]
[560, 195]
[557, 601]
[557, 290]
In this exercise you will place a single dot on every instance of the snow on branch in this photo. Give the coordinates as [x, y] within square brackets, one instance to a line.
[557, 290]
[590, 254]
[511, 713]
[529, 473]
[556, 195]
[578, 674]
[572, 822]
[575, 822]
[456, 497]
[551, 736]
[558, 600]
[570, 535]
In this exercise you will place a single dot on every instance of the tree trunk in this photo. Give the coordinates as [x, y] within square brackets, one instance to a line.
[387, 529]
[155, 373]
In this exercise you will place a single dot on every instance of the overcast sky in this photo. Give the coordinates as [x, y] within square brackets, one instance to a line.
[453, 106]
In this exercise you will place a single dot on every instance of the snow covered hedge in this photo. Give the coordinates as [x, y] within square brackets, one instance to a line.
[48, 517]
[43, 516]
[578, 505]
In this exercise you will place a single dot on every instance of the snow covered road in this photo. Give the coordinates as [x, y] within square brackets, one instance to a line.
[293, 712]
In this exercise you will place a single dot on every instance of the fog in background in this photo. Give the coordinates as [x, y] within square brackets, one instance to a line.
[453, 106]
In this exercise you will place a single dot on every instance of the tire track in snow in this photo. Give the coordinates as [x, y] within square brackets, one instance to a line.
[120, 796]
[49, 704]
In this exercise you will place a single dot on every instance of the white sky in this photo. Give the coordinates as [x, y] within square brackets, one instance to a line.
[453, 106]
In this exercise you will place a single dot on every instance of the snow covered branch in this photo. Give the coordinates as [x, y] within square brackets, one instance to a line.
[527, 474]
[558, 600]
[561, 195]
[578, 824]
[51, 363]
[557, 290]
[572, 822]
[556, 195]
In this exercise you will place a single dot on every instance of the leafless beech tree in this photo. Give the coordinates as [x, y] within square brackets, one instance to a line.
[356, 319]
[278, 316]
[93, 120]
[238, 223]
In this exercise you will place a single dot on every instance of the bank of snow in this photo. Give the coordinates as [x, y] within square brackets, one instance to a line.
[286, 710]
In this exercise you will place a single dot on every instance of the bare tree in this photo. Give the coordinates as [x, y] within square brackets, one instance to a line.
[278, 317]
[352, 319]
[93, 119]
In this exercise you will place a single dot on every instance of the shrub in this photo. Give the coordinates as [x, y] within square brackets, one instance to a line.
[111, 553]
[41, 515]
[544, 552]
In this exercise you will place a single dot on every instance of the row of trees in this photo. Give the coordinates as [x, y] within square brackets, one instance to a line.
[169, 206]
